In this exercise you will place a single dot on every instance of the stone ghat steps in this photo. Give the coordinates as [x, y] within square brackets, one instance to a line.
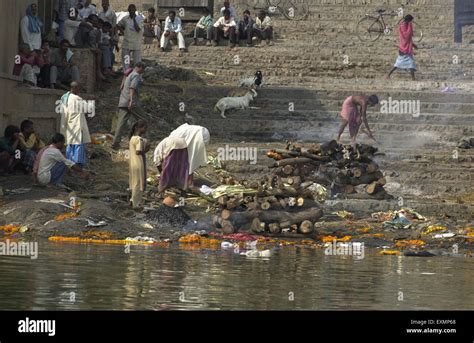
[298, 120]
[303, 128]
[370, 83]
[317, 10]
[325, 51]
[321, 47]
[287, 58]
[350, 26]
[256, 121]
[302, 72]
[275, 77]
[338, 93]
[236, 128]
[429, 109]
[389, 115]
[279, 63]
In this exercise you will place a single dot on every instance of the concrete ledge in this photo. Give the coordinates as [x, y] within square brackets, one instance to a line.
[9, 77]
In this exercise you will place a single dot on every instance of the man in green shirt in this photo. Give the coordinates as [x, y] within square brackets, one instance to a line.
[204, 26]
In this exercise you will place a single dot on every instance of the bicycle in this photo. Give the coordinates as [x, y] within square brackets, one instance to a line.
[291, 9]
[371, 28]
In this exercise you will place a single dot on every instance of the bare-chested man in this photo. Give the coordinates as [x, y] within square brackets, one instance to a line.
[354, 112]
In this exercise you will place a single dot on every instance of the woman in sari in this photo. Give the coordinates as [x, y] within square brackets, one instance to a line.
[171, 159]
[196, 138]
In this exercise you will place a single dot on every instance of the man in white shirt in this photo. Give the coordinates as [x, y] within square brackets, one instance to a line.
[71, 25]
[87, 10]
[173, 30]
[225, 27]
[231, 9]
[76, 129]
[31, 28]
[132, 28]
[51, 165]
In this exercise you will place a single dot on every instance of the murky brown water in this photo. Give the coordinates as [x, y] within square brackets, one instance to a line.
[80, 277]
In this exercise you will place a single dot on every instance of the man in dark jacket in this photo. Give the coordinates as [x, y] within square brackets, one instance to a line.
[245, 28]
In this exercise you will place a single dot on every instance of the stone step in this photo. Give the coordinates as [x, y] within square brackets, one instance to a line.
[432, 97]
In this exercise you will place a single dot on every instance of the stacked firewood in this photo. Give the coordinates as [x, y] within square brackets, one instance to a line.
[300, 178]
[351, 173]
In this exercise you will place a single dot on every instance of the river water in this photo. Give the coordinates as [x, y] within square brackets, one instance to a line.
[83, 277]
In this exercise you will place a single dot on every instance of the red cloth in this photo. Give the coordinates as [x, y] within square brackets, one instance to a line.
[406, 38]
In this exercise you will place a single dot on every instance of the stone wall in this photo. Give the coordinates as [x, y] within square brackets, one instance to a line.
[17, 104]
[121, 5]
[85, 61]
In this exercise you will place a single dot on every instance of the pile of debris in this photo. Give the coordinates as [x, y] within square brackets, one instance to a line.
[166, 217]
[288, 199]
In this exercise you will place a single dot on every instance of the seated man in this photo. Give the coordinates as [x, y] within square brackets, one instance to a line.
[72, 24]
[204, 26]
[30, 144]
[51, 165]
[28, 65]
[151, 27]
[172, 30]
[224, 27]
[9, 152]
[245, 28]
[63, 69]
[263, 27]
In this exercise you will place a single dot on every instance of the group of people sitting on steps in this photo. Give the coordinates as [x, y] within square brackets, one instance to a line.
[227, 26]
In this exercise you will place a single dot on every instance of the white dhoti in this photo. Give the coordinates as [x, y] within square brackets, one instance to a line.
[164, 40]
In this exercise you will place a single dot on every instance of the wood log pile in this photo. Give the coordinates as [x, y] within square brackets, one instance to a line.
[288, 198]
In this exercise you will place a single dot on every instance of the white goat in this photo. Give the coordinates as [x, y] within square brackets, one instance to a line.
[255, 81]
[238, 102]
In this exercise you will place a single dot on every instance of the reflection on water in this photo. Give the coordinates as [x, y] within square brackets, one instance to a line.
[77, 276]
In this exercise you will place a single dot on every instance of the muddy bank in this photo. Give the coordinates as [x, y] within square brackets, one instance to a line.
[102, 214]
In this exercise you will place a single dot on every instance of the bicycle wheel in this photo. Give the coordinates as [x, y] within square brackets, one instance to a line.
[294, 9]
[417, 33]
[273, 6]
[369, 29]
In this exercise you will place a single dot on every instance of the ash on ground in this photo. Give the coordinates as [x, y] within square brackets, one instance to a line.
[166, 217]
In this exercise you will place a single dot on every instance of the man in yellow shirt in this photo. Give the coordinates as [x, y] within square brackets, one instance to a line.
[263, 28]
[30, 143]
